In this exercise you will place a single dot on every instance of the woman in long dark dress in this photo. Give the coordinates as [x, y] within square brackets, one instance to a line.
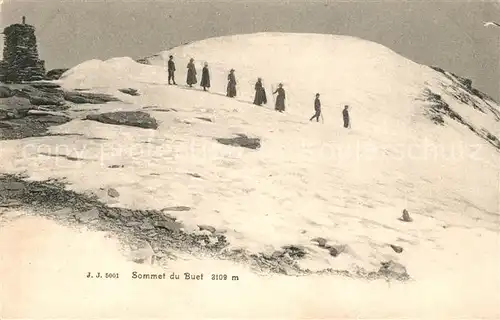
[231, 85]
[205, 78]
[191, 74]
[280, 99]
[260, 93]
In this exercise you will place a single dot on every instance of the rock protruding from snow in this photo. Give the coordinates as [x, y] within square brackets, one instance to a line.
[126, 118]
[396, 248]
[87, 97]
[241, 141]
[130, 91]
[394, 270]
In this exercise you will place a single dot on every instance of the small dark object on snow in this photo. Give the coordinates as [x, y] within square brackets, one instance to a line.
[241, 141]
[321, 241]
[195, 175]
[127, 118]
[177, 208]
[397, 249]
[113, 193]
[130, 91]
[114, 166]
[406, 216]
[204, 119]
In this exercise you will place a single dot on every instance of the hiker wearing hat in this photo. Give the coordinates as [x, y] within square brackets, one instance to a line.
[317, 108]
[191, 75]
[260, 93]
[280, 99]
[171, 70]
[205, 77]
[231, 85]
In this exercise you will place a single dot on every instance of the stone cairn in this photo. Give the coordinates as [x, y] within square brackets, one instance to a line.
[20, 55]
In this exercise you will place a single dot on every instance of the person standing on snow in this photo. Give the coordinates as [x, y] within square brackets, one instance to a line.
[205, 78]
[231, 85]
[191, 75]
[280, 99]
[345, 115]
[260, 93]
[317, 108]
[171, 70]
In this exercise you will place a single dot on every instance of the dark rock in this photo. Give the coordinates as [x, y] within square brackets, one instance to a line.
[130, 91]
[241, 141]
[46, 100]
[114, 166]
[4, 114]
[393, 269]
[45, 85]
[336, 250]
[295, 252]
[406, 216]
[24, 126]
[127, 118]
[206, 227]
[5, 92]
[55, 74]
[113, 193]
[195, 175]
[397, 249]
[321, 241]
[204, 119]
[177, 208]
[87, 97]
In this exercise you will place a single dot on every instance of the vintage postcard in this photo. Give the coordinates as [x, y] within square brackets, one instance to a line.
[249, 159]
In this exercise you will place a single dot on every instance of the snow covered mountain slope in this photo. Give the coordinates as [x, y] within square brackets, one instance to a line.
[420, 140]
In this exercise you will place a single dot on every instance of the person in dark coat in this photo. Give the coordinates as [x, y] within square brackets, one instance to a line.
[191, 75]
[205, 78]
[231, 85]
[280, 99]
[317, 108]
[260, 93]
[171, 70]
[345, 115]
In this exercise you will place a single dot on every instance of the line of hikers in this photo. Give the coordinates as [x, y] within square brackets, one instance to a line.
[260, 92]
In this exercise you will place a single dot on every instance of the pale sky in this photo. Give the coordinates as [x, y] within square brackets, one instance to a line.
[447, 34]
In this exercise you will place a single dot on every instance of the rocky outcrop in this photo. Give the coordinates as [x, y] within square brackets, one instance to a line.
[20, 55]
[130, 91]
[126, 118]
[88, 97]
